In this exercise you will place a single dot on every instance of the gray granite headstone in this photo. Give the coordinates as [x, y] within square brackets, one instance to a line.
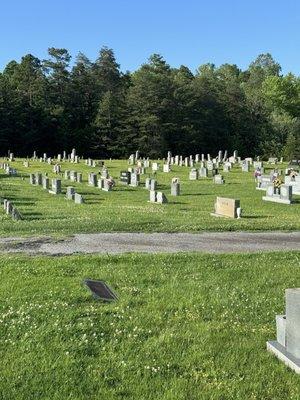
[78, 199]
[287, 345]
[175, 189]
[70, 193]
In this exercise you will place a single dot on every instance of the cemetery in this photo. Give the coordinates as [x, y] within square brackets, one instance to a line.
[115, 198]
[86, 196]
[149, 211]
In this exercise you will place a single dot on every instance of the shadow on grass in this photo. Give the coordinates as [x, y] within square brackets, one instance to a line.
[31, 216]
[255, 216]
[196, 194]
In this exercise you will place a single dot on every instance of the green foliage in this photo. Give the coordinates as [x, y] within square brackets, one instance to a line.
[102, 112]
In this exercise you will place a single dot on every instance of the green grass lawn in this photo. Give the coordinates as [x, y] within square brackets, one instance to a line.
[185, 327]
[127, 208]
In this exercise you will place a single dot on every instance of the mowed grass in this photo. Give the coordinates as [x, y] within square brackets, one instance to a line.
[185, 327]
[127, 209]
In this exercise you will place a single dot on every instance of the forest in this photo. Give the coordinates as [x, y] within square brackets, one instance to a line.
[56, 104]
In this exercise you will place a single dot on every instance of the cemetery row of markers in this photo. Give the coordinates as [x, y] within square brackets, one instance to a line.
[209, 168]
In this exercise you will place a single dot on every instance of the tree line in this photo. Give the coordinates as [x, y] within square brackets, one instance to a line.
[50, 106]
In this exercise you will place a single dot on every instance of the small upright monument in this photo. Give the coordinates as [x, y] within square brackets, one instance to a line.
[287, 345]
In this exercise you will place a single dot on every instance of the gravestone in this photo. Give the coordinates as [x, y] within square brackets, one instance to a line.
[175, 187]
[273, 160]
[287, 345]
[78, 199]
[9, 207]
[155, 167]
[100, 290]
[293, 181]
[282, 195]
[131, 159]
[107, 186]
[100, 183]
[67, 174]
[15, 214]
[56, 186]
[210, 165]
[245, 166]
[79, 177]
[70, 193]
[263, 181]
[153, 184]
[161, 198]
[92, 179]
[257, 164]
[104, 173]
[134, 180]
[56, 168]
[203, 172]
[38, 178]
[218, 179]
[193, 175]
[32, 179]
[147, 183]
[166, 168]
[225, 207]
[152, 196]
[45, 182]
[125, 177]
[73, 176]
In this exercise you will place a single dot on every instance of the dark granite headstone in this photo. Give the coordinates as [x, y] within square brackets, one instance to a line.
[100, 290]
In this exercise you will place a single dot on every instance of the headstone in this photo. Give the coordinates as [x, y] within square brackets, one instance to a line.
[155, 167]
[293, 181]
[210, 165]
[45, 182]
[218, 179]
[15, 214]
[100, 290]
[100, 183]
[287, 345]
[153, 184]
[175, 187]
[134, 180]
[193, 175]
[166, 168]
[70, 193]
[107, 185]
[152, 196]
[245, 166]
[56, 186]
[79, 177]
[282, 194]
[203, 172]
[225, 207]
[78, 199]
[161, 198]
[125, 177]
[9, 207]
[38, 178]
[32, 179]
[92, 179]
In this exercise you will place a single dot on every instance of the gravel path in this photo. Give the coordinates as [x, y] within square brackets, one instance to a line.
[113, 243]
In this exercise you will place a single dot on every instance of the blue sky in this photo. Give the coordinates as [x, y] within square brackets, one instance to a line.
[185, 32]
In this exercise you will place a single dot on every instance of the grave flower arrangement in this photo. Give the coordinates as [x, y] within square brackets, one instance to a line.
[277, 183]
